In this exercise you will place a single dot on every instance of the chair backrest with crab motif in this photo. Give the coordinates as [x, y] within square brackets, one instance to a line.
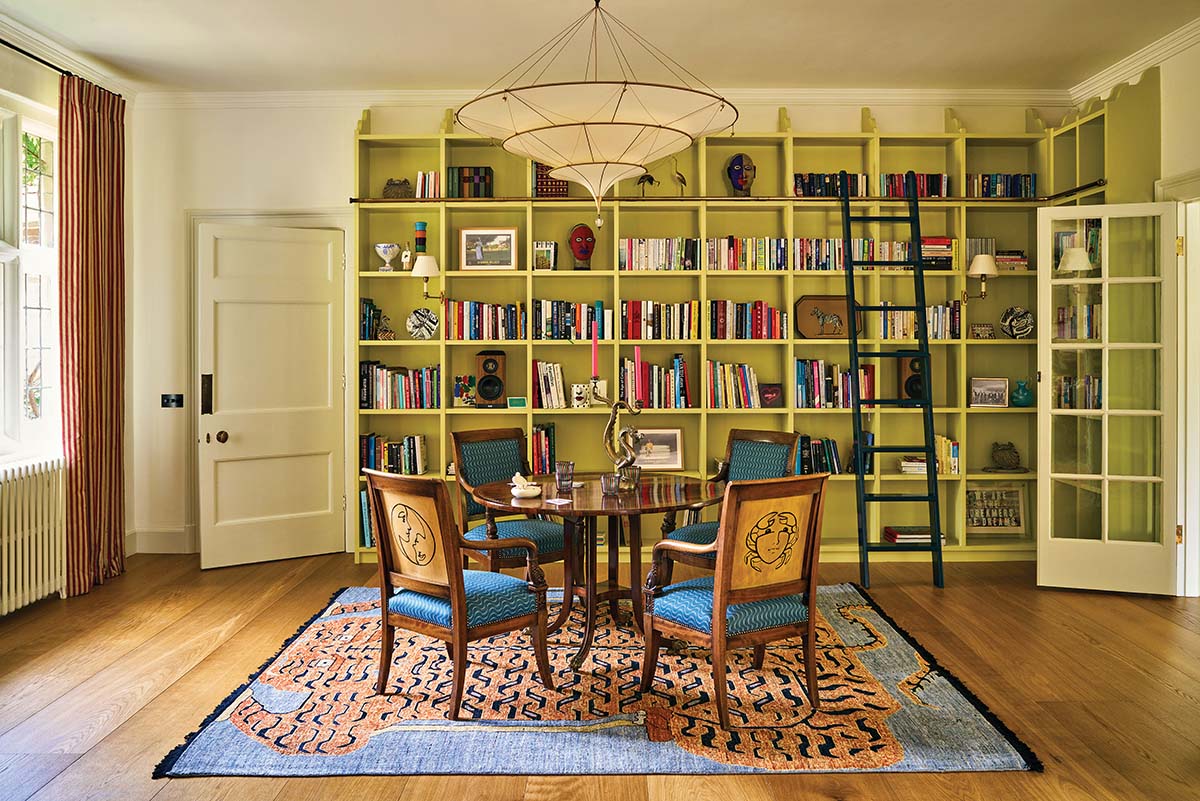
[769, 540]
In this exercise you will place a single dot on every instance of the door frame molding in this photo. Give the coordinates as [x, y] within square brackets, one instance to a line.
[330, 218]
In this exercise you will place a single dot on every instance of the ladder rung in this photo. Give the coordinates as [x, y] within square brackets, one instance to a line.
[903, 403]
[896, 497]
[906, 546]
[879, 218]
[893, 354]
[894, 448]
[889, 307]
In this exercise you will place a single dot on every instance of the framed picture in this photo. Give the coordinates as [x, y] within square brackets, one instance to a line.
[982, 331]
[823, 317]
[996, 510]
[662, 449]
[518, 402]
[545, 255]
[771, 395]
[488, 248]
[992, 392]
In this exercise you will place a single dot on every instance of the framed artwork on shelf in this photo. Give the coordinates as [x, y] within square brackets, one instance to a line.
[996, 510]
[982, 331]
[771, 395]
[488, 248]
[662, 449]
[545, 255]
[823, 317]
[989, 393]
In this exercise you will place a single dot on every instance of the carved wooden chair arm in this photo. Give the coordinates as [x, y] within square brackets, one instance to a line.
[662, 552]
[533, 571]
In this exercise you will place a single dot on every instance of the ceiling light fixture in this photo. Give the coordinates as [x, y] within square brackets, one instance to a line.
[608, 126]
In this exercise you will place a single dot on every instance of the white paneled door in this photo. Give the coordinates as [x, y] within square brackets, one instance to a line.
[271, 451]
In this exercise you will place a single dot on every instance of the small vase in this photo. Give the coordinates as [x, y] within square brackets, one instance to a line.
[1022, 396]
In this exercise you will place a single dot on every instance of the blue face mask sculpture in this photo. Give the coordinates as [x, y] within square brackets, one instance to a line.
[741, 172]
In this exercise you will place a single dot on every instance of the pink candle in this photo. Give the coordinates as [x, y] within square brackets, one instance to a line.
[637, 372]
[595, 350]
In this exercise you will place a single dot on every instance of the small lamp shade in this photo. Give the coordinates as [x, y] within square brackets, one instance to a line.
[1074, 260]
[425, 266]
[982, 266]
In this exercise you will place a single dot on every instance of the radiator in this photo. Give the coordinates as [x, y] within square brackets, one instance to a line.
[32, 533]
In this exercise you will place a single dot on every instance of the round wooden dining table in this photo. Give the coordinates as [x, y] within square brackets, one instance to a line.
[579, 508]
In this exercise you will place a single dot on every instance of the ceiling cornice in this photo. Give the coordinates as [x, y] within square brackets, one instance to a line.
[1130, 68]
[448, 98]
[55, 53]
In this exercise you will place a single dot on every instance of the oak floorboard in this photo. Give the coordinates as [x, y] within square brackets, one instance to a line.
[22, 775]
[586, 788]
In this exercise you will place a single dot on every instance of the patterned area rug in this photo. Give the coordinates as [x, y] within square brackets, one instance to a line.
[312, 709]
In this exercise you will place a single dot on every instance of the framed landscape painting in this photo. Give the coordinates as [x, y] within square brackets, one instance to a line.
[488, 248]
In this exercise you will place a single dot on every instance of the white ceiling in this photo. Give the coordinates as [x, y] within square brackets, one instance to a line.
[265, 45]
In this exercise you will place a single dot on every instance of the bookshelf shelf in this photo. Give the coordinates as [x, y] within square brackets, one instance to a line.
[707, 211]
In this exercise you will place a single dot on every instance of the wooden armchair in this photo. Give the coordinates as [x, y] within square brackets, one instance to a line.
[749, 455]
[424, 588]
[494, 454]
[764, 587]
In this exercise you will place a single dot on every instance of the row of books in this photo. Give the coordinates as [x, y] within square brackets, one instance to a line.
[1079, 392]
[929, 184]
[1002, 184]
[369, 318]
[946, 452]
[647, 319]
[1005, 259]
[666, 387]
[826, 184]
[1078, 322]
[566, 319]
[429, 184]
[816, 253]
[469, 182]
[541, 444]
[543, 184]
[941, 322]
[1088, 238]
[752, 320]
[384, 387]
[474, 319]
[367, 538]
[746, 253]
[673, 253]
[732, 386]
[817, 455]
[937, 252]
[407, 455]
[821, 385]
[549, 389]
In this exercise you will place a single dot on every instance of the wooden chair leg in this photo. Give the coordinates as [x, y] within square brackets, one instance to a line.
[387, 634]
[450, 651]
[650, 656]
[810, 667]
[720, 690]
[538, 633]
[760, 653]
[461, 666]
[569, 560]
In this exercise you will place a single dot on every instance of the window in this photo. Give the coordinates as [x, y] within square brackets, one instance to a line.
[37, 191]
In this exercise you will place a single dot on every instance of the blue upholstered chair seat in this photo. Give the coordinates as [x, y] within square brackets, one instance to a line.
[491, 598]
[546, 535]
[697, 534]
[690, 603]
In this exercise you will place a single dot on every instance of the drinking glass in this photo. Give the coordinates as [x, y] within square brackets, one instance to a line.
[610, 483]
[564, 475]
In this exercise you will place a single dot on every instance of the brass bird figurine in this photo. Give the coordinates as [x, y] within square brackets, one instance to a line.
[647, 179]
[678, 176]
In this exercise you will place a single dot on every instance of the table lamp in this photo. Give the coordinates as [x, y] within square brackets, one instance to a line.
[426, 267]
[983, 267]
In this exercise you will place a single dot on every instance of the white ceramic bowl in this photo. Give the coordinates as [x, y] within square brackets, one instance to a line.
[527, 492]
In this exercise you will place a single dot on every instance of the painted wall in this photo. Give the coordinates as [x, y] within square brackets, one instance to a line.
[1181, 112]
[293, 159]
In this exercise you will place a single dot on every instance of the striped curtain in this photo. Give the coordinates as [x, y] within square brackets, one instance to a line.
[91, 262]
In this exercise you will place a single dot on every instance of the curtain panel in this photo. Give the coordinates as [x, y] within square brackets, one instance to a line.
[91, 150]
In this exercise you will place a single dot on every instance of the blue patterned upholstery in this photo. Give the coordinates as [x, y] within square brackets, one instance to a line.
[547, 536]
[750, 460]
[690, 603]
[491, 598]
[487, 461]
[697, 534]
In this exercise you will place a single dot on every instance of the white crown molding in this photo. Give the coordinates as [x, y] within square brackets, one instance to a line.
[451, 98]
[55, 53]
[1130, 68]
[1182, 187]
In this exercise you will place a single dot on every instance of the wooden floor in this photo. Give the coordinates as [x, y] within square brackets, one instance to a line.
[95, 690]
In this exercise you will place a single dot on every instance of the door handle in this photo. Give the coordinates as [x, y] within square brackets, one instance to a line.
[222, 436]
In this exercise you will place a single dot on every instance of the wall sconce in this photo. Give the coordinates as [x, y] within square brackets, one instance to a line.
[983, 267]
[1076, 261]
[426, 267]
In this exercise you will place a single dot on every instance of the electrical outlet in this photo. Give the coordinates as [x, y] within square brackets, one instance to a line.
[172, 401]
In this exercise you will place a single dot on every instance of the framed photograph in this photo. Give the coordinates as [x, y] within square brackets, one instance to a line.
[982, 331]
[662, 449]
[771, 395]
[996, 510]
[989, 392]
[518, 402]
[823, 317]
[545, 255]
[488, 248]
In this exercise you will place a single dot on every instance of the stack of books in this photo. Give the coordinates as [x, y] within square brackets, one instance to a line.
[817, 455]
[1011, 260]
[1002, 184]
[470, 182]
[646, 319]
[826, 254]
[662, 387]
[429, 185]
[732, 386]
[677, 253]
[746, 253]
[474, 319]
[827, 386]
[542, 448]
[544, 185]
[753, 320]
[566, 319]
[826, 184]
[916, 535]
[549, 390]
[946, 451]
[406, 455]
[939, 252]
[929, 184]
[383, 387]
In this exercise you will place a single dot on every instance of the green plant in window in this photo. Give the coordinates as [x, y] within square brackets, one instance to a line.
[35, 164]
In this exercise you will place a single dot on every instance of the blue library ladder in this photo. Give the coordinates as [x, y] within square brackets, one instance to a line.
[919, 355]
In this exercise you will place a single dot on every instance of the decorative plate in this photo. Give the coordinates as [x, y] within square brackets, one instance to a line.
[1017, 322]
[422, 323]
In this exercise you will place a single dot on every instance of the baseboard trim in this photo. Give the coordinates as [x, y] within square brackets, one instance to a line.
[167, 540]
[131, 543]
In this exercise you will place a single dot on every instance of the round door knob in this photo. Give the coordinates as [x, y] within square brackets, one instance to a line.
[222, 436]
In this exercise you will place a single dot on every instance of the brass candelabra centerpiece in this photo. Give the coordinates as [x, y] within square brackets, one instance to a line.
[621, 445]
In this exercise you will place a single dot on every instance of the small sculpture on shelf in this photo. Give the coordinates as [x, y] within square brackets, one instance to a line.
[1005, 459]
[583, 244]
[622, 446]
[397, 188]
[385, 332]
[1022, 396]
[647, 179]
[741, 172]
[387, 251]
[406, 258]
[677, 176]
[1017, 322]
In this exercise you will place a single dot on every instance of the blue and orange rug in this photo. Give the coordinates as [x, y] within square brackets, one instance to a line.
[312, 709]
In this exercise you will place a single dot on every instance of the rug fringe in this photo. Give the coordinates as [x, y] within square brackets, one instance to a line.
[1031, 759]
[162, 769]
